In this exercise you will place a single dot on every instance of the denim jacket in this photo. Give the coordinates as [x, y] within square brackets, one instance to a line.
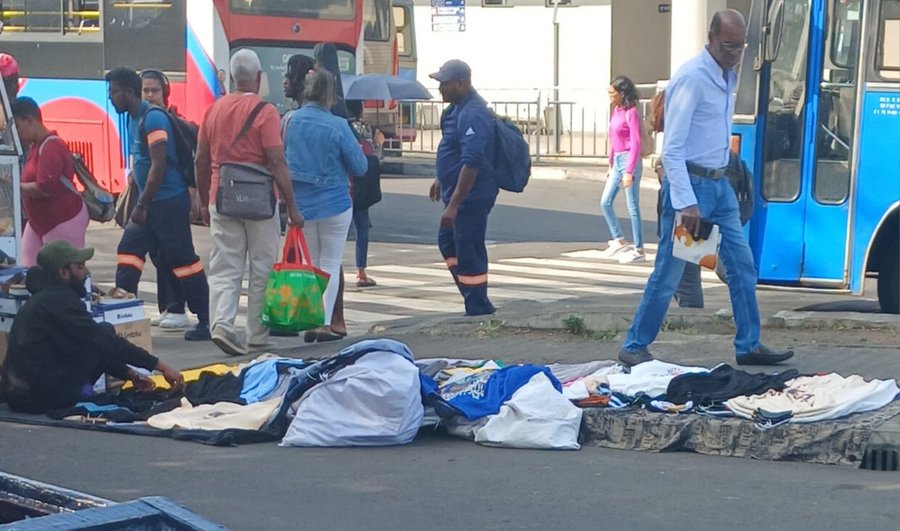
[321, 148]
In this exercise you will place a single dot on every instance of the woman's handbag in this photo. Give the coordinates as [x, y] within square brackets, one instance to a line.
[246, 191]
[126, 202]
[294, 294]
[367, 189]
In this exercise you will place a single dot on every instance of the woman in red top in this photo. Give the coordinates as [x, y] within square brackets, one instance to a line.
[55, 210]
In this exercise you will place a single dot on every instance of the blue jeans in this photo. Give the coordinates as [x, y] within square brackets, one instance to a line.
[362, 223]
[718, 204]
[632, 197]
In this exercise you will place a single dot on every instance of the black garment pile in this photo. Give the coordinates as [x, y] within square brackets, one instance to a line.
[724, 383]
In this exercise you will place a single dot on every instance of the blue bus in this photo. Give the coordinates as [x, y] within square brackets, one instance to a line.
[818, 119]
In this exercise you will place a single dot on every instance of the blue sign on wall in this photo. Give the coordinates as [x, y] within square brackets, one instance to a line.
[448, 15]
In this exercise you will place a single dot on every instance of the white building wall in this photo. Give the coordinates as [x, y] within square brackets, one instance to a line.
[510, 50]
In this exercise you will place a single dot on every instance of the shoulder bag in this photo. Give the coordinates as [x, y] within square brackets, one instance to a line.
[246, 191]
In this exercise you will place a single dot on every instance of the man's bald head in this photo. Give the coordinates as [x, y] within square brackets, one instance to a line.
[730, 18]
[727, 37]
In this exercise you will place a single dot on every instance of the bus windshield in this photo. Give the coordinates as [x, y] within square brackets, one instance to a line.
[274, 60]
[320, 9]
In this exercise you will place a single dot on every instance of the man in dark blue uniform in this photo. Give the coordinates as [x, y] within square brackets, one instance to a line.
[465, 183]
[162, 218]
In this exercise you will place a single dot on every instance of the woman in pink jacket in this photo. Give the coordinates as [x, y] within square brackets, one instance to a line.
[624, 171]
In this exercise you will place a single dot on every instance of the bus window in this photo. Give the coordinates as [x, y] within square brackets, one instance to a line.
[887, 54]
[377, 20]
[404, 42]
[78, 17]
[326, 9]
[784, 116]
[145, 34]
[837, 103]
[747, 76]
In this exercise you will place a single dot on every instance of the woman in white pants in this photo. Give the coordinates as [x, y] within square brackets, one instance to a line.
[322, 152]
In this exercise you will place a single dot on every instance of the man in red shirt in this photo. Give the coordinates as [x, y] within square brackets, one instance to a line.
[235, 240]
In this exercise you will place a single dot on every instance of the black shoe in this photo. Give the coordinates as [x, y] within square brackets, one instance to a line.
[763, 355]
[630, 358]
[200, 333]
[309, 336]
[283, 333]
[323, 337]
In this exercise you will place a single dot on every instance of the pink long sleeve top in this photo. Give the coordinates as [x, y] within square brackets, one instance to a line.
[625, 136]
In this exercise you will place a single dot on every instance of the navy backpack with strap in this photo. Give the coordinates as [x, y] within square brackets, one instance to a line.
[512, 159]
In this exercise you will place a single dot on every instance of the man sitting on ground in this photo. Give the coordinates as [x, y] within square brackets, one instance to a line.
[56, 350]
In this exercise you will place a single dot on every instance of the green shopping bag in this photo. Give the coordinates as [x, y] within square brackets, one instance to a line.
[293, 299]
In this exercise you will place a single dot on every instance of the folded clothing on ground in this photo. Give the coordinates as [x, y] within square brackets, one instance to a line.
[816, 398]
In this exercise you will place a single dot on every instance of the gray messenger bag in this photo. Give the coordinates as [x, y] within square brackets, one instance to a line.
[246, 190]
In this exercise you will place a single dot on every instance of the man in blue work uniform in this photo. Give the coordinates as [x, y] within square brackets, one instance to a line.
[161, 219]
[698, 115]
[465, 183]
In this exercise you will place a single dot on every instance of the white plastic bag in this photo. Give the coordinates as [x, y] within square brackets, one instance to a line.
[376, 401]
[537, 416]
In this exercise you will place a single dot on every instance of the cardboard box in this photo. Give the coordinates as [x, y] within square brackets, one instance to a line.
[138, 332]
[6, 322]
[119, 312]
[11, 304]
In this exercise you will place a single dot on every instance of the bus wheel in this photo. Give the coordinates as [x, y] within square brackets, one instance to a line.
[889, 284]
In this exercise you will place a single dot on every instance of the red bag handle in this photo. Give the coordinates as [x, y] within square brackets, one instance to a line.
[295, 252]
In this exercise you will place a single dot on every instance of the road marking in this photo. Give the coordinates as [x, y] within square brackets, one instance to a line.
[492, 278]
[407, 303]
[583, 277]
[629, 269]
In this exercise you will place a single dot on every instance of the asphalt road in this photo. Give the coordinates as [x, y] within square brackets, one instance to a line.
[440, 483]
[548, 211]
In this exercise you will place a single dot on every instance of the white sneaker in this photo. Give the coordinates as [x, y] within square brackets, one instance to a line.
[175, 321]
[613, 247]
[154, 321]
[631, 256]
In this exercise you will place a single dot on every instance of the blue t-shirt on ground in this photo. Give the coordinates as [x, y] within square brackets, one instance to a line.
[157, 128]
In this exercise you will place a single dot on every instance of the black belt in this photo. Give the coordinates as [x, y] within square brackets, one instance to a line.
[708, 173]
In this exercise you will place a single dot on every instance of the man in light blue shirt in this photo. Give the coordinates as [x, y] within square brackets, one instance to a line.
[699, 108]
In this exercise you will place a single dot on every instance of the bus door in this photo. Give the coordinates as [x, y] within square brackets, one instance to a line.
[808, 143]
[407, 59]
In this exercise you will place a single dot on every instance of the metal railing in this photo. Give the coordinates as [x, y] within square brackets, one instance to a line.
[574, 127]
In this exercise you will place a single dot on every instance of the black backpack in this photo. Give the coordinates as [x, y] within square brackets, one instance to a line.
[185, 133]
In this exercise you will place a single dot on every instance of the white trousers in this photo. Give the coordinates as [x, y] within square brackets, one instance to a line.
[234, 242]
[326, 239]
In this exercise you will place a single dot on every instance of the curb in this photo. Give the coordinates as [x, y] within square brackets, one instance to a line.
[425, 168]
[619, 321]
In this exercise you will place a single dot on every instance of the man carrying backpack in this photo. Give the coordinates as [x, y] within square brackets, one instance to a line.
[161, 218]
[465, 183]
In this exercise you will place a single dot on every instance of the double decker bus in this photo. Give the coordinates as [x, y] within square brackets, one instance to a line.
[818, 118]
[65, 47]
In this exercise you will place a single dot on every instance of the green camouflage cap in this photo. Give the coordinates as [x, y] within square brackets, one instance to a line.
[61, 253]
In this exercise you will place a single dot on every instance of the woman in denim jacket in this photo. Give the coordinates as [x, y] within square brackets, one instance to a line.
[322, 152]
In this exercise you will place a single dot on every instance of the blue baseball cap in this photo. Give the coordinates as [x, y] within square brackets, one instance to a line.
[453, 70]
